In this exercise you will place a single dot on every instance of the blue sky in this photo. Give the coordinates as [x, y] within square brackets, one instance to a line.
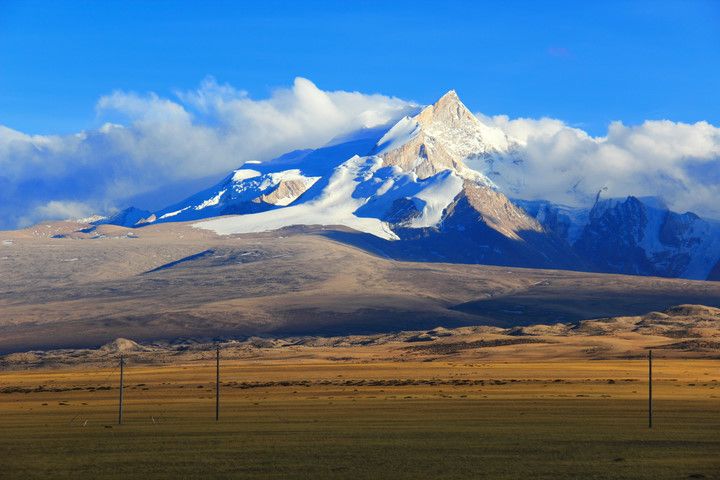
[587, 63]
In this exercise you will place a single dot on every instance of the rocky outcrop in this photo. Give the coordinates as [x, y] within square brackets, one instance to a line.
[444, 135]
[499, 213]
[286, 192]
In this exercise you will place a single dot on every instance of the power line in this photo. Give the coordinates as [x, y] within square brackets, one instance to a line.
[217, 383]
[120, 405]
[650, 399]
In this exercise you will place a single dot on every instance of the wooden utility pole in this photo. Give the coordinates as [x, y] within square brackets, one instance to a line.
[120, 407]
[217, 383]
[650, 400]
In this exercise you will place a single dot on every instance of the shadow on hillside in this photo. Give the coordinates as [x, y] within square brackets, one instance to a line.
[529, 308]
[485, 246]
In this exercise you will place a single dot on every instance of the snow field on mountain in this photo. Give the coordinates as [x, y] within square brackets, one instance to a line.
[334, 206]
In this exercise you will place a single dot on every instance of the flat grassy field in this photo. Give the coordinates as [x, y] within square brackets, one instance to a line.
[405, 420]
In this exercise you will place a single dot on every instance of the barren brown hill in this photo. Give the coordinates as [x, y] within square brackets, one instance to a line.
[74, 285]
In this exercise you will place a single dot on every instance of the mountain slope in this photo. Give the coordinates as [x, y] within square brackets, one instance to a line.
[479, 226]
[128, 217]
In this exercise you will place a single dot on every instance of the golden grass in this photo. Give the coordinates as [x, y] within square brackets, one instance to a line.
[319, 419]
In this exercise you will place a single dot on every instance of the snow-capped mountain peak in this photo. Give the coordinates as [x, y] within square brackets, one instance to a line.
[435, 184]
[418, 160]
[442, 136]
[408, 181]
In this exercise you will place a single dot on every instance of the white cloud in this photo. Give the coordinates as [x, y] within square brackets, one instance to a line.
[57, 209]
[150, 142]
[677, 162]
[157, 141]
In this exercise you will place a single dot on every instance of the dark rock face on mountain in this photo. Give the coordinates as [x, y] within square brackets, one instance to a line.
[635, 236]
[715, 273]
[613, 236]
[484, 226]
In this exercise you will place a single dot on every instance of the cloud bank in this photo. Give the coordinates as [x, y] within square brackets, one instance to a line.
[155, 142]
[677, 162]
[150, 144]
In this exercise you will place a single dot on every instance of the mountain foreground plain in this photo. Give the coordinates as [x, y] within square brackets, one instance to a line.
[348, 419]
[61, 287]
[340, 363]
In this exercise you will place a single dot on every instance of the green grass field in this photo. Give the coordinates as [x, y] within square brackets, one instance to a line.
[390, 432]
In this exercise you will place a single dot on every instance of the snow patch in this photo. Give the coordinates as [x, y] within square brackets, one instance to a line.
[437, 195]
[243, 174]
[91, 219]
[334, 206]
[401, 133]
[172, 214]
[211, 201]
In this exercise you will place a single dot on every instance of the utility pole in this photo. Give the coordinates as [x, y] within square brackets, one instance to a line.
[120, 409]
[217, 383]
[650, 379]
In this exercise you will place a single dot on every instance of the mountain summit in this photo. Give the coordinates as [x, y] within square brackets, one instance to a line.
[442, 136]
[406, 182]
[426, 188]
